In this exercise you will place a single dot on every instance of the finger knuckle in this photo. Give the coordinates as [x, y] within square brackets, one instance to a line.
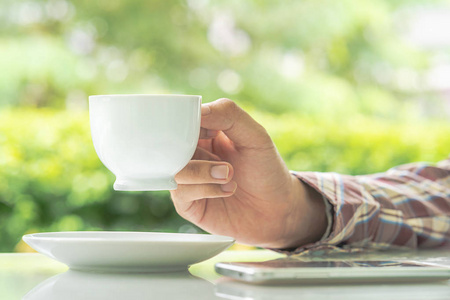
[195, 170]
[227, 104]
[174, 195]
[178, 195]
[230, 111]
[178, 208]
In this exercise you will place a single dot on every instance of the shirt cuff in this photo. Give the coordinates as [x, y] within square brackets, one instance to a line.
[329, 214]
[326, 243]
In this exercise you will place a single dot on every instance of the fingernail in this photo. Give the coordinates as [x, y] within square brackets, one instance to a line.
[229, 187]
[205, 110]
[220, 172]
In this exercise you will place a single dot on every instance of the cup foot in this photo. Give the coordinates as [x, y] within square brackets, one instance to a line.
[150, 184]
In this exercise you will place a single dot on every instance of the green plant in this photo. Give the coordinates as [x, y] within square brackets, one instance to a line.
[52, 180]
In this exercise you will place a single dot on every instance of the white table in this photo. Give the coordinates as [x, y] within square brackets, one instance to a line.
[34, 276]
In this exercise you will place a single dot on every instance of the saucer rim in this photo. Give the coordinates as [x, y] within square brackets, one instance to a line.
[209, 238]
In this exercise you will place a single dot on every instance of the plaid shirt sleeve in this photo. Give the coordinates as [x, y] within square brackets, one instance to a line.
[407, 206]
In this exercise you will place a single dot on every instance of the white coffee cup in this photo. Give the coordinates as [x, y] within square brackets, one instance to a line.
[145, 139]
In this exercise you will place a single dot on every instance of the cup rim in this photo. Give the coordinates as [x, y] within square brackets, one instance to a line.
[145, 95]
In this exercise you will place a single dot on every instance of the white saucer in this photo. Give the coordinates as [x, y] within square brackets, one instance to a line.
[128, 251]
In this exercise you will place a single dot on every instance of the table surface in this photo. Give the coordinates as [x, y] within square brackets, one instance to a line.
[34, 276]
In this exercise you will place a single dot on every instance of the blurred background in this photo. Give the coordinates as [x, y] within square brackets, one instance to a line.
[345, 86]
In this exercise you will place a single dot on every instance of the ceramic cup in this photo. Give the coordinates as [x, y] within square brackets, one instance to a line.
[145, 139]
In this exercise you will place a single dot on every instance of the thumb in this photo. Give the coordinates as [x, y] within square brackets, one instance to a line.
[225, 115]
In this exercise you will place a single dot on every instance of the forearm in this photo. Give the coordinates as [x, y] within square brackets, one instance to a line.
[408, 206]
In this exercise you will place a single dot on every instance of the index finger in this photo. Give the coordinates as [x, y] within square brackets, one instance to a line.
[225, 115]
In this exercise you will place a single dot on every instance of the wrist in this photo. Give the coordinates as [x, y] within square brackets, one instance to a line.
[307, 220]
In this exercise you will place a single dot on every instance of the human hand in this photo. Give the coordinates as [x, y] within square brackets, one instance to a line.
[238, 185]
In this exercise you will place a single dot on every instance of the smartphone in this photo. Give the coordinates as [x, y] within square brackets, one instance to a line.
[294, 270]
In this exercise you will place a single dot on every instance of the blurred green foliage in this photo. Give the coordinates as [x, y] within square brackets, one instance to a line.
[337, 84]
[51, 178]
